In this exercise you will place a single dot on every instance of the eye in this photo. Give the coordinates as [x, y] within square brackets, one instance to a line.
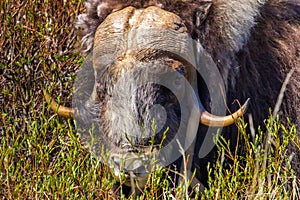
[180, 70]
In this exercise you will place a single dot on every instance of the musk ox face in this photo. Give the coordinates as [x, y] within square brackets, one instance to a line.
[141, 97]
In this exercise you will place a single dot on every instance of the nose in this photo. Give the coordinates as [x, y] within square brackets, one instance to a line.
[135, 166]
[130, 162]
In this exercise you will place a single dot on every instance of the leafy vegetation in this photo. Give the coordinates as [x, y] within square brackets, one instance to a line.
[41, 156]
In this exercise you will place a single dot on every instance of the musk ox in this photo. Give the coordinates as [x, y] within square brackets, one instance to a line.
[149, 58]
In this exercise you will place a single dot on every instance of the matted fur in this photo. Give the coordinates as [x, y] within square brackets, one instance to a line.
[254, 43]
[234, 23]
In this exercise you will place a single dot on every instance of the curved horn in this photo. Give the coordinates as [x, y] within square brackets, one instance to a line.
[209, 119]
[60, 110]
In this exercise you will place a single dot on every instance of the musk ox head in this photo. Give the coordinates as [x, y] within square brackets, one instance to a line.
[141, 96]
[149, 78]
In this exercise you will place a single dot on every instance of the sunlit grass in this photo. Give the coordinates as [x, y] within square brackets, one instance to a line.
[49, 162]
[263, 171]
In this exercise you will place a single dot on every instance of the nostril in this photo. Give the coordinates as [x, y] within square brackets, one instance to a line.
[116, 164]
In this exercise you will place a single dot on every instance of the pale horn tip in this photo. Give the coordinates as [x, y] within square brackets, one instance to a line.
[209, 119]
[60, 110]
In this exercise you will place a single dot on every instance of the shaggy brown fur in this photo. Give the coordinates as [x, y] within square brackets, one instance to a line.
[254, 43]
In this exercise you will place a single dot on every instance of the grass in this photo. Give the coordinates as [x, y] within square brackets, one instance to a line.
[262, 172]
[41, 156]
